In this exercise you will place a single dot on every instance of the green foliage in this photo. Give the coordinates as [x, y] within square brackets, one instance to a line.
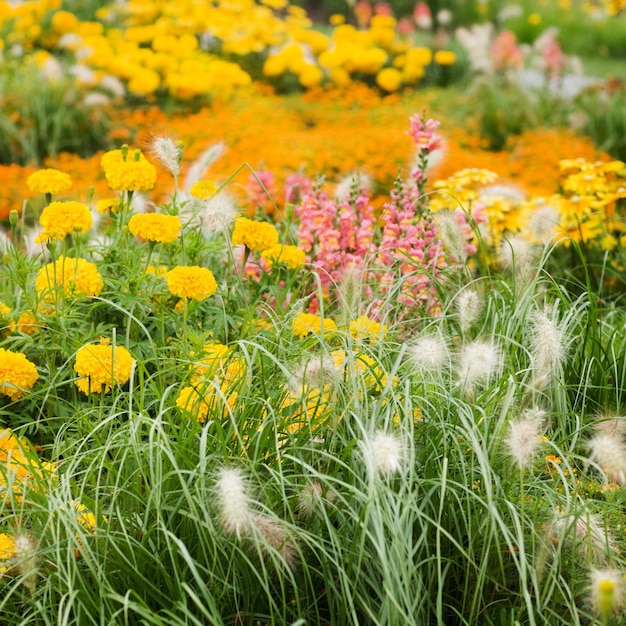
[43, 117]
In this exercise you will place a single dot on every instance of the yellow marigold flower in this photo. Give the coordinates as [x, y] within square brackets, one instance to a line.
[128, 171]
[7, 552]
[203, 189]
[76, 277]
[445, 57]
[191, 282]
[19, 465]
[100, 366]
[85, 517]
[364, 367]
[155, 227]
[60, 219]
[157, 270]
[64, 22]
[49, 181]
[291, 256]
[27, 323]
[534, 19]
[120, 156]
[205, 397]
[306, 323]
[336, 18]
[389, 79]
[7, 324]
[144, 82]
[365, 328]
[17, 374]
[254, 235]
[108, 205]
[309, 407]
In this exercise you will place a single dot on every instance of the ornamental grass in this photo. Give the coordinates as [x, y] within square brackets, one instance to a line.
[398, 404]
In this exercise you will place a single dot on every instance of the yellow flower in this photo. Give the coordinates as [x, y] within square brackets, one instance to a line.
[7, 552]
[27, 323]
[108, 205]
[191, 282]
[60, 219]
[199, 399]
[155, 227]
[445, 57]
[76, 277]
[254, 235]
[100, 366]
[144, 82]
[17, 374]
[49, 181]
[291, 256]
[85, 517]
[534, 19]
[310, 407]
[126, 171]
[7, 324]
[203, 189]
[307, 323]
[365, 328]
[389, 79]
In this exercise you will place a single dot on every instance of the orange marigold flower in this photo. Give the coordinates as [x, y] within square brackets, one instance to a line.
[17, 374]
[60, 219]
[49, 181]
[306, 323]
[291, 256]
[155, 227]
[76, 277]
[100, 366]
[254, 235]
[191, 282]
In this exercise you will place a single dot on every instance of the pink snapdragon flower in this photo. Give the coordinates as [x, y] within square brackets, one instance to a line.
[505, 53]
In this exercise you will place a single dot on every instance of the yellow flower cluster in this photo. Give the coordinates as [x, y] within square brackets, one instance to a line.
[60, 219]
[100, 366]
[306, 323]
[131, 174]
[587, 202]
[19, 466]
[49, 181]
[197, 283]
[350, 53]
[215, 383]
[254, 235]
[155, 227]
[291, 256]
[310, 407]
[365, 328]
[17, 374]
[73, 277]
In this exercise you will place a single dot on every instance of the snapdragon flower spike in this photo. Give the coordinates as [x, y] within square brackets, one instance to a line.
[424, 133]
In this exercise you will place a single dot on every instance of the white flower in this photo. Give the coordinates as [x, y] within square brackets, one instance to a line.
[469, 306]
[235, 512]
[524, 438]
[383, 453]
[609, 453]
[217, 214]
[354, 180]
[479, 361]
[548, 346]
[169, 153]
[429, 353]
[542, 222]
[202, 163]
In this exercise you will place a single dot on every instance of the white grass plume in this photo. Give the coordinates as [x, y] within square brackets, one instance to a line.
[524, 437]
[236, 514]
[383, 453]
[202, 163]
